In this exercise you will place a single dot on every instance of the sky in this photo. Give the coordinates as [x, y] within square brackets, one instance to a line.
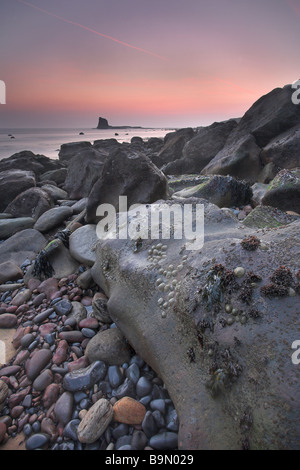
[150, 63]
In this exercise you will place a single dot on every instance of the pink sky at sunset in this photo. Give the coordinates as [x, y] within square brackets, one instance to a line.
[173, 63]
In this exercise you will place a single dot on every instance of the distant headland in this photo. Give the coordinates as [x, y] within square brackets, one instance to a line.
[103, 124]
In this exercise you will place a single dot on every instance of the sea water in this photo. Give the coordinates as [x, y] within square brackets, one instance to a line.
[48, 141]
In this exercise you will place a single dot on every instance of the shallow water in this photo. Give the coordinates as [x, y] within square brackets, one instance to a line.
[48, 141]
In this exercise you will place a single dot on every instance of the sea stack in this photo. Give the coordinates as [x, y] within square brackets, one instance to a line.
[102, 123]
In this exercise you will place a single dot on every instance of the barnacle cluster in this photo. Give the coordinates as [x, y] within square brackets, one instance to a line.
[167, 283]
[250, 243]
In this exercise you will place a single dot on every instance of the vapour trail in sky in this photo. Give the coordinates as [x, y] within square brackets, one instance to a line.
[145, 51]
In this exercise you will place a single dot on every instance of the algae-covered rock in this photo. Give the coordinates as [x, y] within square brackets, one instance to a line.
[268, 217]
[284, 191]
[224, 191]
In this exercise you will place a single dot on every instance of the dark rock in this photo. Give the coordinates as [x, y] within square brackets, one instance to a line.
[126, 389]
[283, 150]
[28, 161]
[159, 419]
[159, 405]
[31, 203]
[64, 407]
[109, 346]
[70, 430]
[143, 387]
[9, 370]
[270, 116]
[102, 123]
[8, 320]
[164, 441]
[43, 380]
[63, 307]
[172, 421]
[48, 287]
[123, 441]
[43, 315]
[120, 430]
[71, 336]
[115, 376]
[84, 170]
[54, 192]
[38, 361]
[37, 441]
[139, 440]
[68, 151]
[130, 174]
[201, 149]
[53, 218]
[149, 425]
[174, 143]
[133, 373]
[284, 191]
[58, 176]
[12, 183]
[84, 379]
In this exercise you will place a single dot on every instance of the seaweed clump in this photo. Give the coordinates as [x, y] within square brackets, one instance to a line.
[224, 372]
[250, 243]
[219, 279]
[247, 289]
[282, 280]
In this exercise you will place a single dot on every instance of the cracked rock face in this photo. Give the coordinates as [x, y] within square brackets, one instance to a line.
[219, 337]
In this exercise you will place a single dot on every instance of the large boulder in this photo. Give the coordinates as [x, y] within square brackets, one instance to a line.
[28, 161]
[22, 246]
[283, 150]
[31, 203]
[201, 149]
[126, 173]
[58, 176]
[83, 171]
[284, 191]
[224, 191]
[270, 116]
[12, 183]
[223, 346]
[69, 150]
[174, 143]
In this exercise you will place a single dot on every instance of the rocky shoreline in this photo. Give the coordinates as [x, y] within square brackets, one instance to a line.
[132, 345]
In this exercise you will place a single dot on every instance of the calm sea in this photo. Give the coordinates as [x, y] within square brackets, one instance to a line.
[48, 141]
